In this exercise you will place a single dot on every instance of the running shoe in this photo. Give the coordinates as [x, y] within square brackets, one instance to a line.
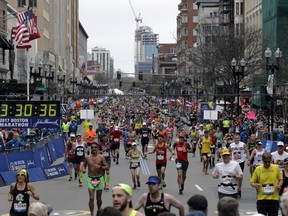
[117, 162]
[106, 187]
[138, 184]
[135, 186]
[180, 191]
[70, 179]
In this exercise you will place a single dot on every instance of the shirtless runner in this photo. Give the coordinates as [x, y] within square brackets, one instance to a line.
[97, 165]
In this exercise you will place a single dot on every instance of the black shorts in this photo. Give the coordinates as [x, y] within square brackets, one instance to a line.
[144, 141]
[242, 166]
[78, 160]
[208, 155]
[213, 150]
[160, 165]
[115, 146]
[134, 165]
[184, 164]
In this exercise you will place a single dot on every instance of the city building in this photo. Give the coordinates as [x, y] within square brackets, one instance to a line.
[167, 58]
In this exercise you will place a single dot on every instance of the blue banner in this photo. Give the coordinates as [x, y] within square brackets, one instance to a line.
[52, 150]
[3, 163]
[59, 147]
[2, 183]
[19, 160]
[41, 157]
[30, 122]
[56, 171]
[204, 106]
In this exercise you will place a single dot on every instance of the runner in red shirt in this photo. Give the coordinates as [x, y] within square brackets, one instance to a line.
[182, 148]
[115, 135]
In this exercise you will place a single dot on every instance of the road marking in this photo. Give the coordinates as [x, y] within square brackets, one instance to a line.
[198, 187]
[144, 167]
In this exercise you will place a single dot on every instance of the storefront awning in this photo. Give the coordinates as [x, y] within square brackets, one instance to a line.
[4, 43]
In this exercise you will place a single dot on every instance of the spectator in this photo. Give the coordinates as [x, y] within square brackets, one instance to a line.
[39, 209]
[198, 205]
[16, 143]
[228, 206]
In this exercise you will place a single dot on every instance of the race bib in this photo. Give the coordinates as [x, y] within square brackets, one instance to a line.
[268, 189]
[116, 140]
[178, 165]
[134, 165]
[208, 155]
[20, 207]
[160, 157]
[95, 182]
[105, 154]
[237, 155]
[80, 154]
[145, 135]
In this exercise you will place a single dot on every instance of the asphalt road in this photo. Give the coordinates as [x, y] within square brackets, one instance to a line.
[69, 199]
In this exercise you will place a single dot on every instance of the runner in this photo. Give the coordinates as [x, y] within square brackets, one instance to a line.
[20, 193]
[255, 158]
[219, 137]
[182, 148]
[115, 135]
[155, 202]
[105, 150]
[134, 155]
[161, 158]
[97, 165]
[193, 139]
[122, 200]
[79, 150]
[205, 143]
[90, 137]
[144, 133]
[69, 155]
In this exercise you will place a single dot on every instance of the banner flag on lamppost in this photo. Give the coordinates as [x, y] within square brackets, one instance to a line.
[26, 30]
[270, 84]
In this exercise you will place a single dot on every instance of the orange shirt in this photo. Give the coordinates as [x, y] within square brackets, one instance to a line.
[91, 134]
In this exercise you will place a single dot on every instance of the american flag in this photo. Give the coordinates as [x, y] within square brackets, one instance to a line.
[83, 70]
[26, 30]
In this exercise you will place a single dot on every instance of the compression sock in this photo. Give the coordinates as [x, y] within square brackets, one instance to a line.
[107, 179]
[117, 156]
[80, 174]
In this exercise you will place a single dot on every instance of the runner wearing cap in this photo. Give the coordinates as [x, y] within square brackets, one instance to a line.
[145, 134]
[97, 165]
[122, 200]
[182, 148]
[279, 156]
[256, 156]
[155, 202]
[115, 135]
[229, 173]
[79, 157]
[69, 153]
[134, 155]
[161, 158]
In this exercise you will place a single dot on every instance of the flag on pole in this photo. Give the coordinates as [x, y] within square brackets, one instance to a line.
[270, 84]
[26, 30]
[83, 70]
[188, 104]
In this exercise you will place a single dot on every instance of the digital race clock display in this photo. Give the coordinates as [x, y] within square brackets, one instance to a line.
[29, 109]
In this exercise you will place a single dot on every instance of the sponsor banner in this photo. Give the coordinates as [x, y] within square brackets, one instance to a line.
[56, 171]
[2, 183]
[3, 163]
[19, 160]
[30, 122]
[41, 157]
[59, 147]
[52, 150]
[269, 145]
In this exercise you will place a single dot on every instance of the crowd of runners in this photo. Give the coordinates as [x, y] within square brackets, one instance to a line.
[225, 147]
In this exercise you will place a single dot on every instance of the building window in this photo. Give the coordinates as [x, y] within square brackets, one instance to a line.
[195, 7]
[184, 19]
[32, 3]
[237, 8]
[21, 3]
[195, 19]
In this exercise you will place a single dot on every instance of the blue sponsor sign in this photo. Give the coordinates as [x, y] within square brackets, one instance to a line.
[56, 171]
[3, 163]
[204, 106]
[30, 122]
[41, 157]
[19, 160]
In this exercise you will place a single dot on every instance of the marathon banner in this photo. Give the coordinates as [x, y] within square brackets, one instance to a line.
[269, 145]
[41, 157]
[56, 171]
[19, 160]
[30, 122]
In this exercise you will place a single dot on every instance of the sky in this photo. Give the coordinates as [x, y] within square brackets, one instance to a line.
[111, 24]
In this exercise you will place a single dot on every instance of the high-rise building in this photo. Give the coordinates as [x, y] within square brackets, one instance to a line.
[102, 56]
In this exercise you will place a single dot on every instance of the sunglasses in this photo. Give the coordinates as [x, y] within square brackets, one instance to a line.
[20, 175]
[267, 161]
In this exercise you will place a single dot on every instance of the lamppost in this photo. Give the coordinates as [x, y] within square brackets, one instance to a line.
[73, 81]
[37, 77]
[237, 72]
[61, 80]
[270, 69]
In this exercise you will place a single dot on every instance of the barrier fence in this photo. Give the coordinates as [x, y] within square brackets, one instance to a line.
[38, 162]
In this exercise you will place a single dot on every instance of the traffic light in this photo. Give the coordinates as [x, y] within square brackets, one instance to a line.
[120, 84]
[134, 84]
[140, 75]
[182, 92]
[118, 75]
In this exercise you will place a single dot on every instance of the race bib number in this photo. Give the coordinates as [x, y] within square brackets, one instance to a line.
[145, 135]
[178, 165]
[20, 207]
[134, 165]
[80, 153]
[116, 140]
[268, 189]
[105, 154]
[95, 182]
[208, 155]
[160, 157]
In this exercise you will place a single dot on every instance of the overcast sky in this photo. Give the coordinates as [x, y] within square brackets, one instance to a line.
[111, 24]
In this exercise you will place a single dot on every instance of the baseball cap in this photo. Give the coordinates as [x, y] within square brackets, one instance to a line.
[181, 135]
[144, 123]
[72, 135]
[126, 188]
[198, 202]
[259, 142]
[225, 151]
[201, 125]
[116, 128]
[153, 179]
[280, 143]
[134, 144]
[79, 134]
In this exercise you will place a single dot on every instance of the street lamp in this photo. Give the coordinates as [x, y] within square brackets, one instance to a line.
[237, 72]
[73, 81]
[270, 69]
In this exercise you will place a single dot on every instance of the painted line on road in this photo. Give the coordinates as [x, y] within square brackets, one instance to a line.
[144, 167]
[198, 187]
